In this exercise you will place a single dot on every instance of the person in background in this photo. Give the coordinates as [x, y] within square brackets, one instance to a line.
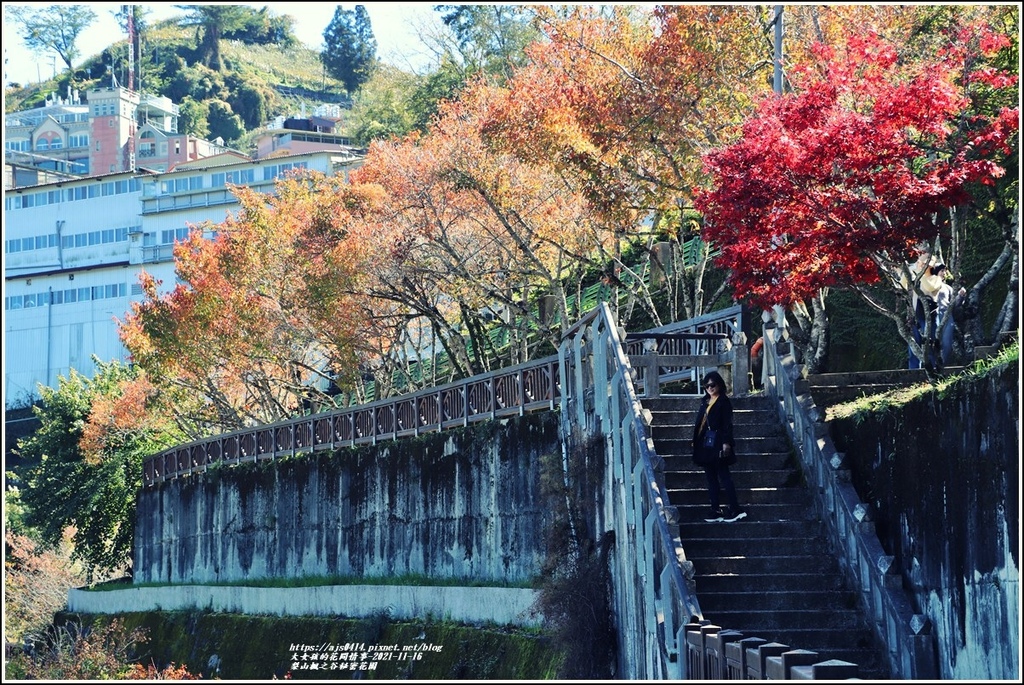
[757, 363]
[714, 447]
[944, 299]
[931, 315]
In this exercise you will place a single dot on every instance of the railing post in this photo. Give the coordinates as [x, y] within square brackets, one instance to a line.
[736, 656]
[757, 658]
[740, 364]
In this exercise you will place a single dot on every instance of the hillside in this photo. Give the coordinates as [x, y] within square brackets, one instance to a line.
[258, 82]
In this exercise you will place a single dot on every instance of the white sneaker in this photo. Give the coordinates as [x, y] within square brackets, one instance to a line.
[733, 515]
[715, 517]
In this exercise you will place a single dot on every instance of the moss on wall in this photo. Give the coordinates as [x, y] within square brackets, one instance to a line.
[263, 647]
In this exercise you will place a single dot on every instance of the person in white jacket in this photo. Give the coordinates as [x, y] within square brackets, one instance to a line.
[932, 314]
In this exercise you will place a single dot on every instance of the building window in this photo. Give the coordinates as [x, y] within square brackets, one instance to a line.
[168, 237]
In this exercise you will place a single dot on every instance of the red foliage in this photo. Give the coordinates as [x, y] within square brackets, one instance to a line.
[830, 186]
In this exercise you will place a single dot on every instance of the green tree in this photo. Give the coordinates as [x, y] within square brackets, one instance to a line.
[251, 100]
[87, 458]
[350, 49]
[443, 84]
[224, 123]
[382, 107]
[198, 82]
[490, 38]
[52, 27]
[194, 117]
[262, 27]
[216, 22]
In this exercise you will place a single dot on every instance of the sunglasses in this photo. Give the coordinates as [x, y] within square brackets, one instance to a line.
[710, 385]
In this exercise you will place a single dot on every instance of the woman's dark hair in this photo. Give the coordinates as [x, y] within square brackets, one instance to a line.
[713, 377]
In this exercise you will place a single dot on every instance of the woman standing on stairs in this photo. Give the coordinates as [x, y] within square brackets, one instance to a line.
[713, 447]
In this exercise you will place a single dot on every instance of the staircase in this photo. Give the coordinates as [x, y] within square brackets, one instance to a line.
[771, 574]
[829, 389]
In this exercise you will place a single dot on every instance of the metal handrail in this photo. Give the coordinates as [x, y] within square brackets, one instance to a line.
[511, 391]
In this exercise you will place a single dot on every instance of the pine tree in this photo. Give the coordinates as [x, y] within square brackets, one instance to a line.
[350, 49]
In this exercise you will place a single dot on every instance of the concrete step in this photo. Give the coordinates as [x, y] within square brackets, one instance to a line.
[828, 643]
[714, 602]
[781, 623]
[711, 547]
[764, 418]
[684, 430]
[743, 477]
[744, 529]
[788, 586]
[676, 404]
[745, 445]
[752, 568]
[695, 494]
[693, 514]
[779, 591]
[829, 389]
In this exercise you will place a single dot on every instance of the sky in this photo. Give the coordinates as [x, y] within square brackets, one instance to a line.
[394, 26]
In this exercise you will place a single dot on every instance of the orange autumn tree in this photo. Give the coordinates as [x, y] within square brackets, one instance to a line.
[266, 318]
[475, 232]
[622, 104]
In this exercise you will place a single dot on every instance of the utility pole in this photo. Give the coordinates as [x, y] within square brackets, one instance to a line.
[777, 80]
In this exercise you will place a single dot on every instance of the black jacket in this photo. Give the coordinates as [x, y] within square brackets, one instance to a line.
[720, 420]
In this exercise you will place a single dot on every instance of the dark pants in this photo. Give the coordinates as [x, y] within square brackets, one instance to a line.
[719, 477]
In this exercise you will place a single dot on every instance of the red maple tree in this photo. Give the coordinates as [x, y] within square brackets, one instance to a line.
[845, 182]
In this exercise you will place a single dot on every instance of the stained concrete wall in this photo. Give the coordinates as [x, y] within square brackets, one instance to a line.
[943, 478]
[459, 504]
[474, 605]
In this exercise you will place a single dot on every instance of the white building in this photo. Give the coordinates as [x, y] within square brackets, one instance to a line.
[74, 251]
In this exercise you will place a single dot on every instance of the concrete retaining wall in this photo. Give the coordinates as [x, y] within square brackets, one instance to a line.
[459, 504]
[476, 605]
[943, 478]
